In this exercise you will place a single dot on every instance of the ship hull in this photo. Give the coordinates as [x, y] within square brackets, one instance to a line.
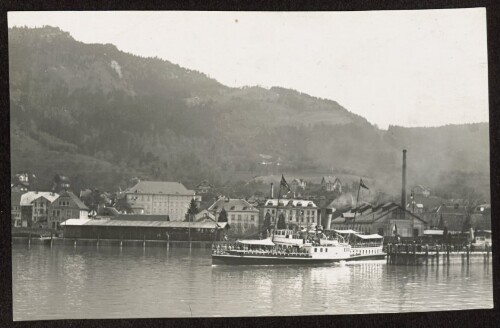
[370, 257]
[269, 260]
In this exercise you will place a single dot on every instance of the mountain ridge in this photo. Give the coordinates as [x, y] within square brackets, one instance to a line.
[147, 116]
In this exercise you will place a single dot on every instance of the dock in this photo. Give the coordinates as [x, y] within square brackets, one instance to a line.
[416, 254]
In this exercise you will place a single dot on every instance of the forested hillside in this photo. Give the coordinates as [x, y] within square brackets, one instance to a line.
[102, 116]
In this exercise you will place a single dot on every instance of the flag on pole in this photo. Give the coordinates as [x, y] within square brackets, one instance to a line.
[362, 184]
[284, 184]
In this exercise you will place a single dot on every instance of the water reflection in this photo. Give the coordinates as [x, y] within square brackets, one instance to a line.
[108, 282]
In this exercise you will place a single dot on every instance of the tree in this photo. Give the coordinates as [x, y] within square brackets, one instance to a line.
[222, 216]
[192, 210]
[267, 222]
[441, 222]
[281, 221]
[467, 223]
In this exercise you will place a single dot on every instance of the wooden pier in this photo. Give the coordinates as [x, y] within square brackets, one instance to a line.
[416, 254]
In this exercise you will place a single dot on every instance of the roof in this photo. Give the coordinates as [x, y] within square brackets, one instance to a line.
[372, 236]
[160, 187]
[204, 183]
[451, 209]
[30, 196]
[145, 223]
[290, 202]
[141, 217]
[232, 205]
[347, 231]
[330, 179]
[262, 242]
[108, 211]
[433, 232]
[367, 213]
[15, 198]
[484, 208]
[75, 199]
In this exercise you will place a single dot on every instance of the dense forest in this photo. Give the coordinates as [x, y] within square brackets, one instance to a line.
[102, 117]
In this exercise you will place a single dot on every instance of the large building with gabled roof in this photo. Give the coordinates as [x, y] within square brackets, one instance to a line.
[242, 216]
[384, 219]
[66, 206]
[160, 197]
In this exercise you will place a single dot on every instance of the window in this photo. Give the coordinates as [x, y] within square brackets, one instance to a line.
[315, 250]
[239, 217]
[326, 249]
[252, 217]
[321, 250]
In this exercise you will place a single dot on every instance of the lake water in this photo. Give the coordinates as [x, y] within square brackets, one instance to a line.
[64, 282]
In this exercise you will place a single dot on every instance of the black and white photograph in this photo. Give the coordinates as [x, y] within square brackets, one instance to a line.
[196, 164]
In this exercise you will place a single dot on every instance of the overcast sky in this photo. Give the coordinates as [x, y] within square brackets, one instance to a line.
[410, 68]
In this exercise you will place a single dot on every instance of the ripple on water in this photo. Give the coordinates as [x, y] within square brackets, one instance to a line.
[67, 282]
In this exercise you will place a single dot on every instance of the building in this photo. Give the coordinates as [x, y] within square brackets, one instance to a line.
[35, 208]
[420, 190]
[204, 215]
[297, 185]
[144, 227]
[204, 187]
[23, 182]
[19, 187]
[297, 212]
[481, 217]
[384, 220]
[452, 217]
[61, 183]
[243, 217]
[160, 197]
[66, 206]
[15, 209]
[329, 183]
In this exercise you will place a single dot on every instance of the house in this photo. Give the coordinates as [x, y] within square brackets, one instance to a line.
[160, 197]
[204, 215]
[15, 209]
[144, 227]
[452, 217]
[204, 187]
[481, 217]
[420, 190]
[297, 212]
[329, 183]
[60, 183]
[22, 182]
[19, 187]
[297, 185]
[66, 206]
[35, 208]
[383, 219]
[243, 217]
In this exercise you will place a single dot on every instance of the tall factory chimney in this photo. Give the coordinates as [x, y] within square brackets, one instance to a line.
[272, 190]
[403, 190]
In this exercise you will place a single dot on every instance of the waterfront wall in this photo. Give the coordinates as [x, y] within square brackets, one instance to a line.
[111, 242]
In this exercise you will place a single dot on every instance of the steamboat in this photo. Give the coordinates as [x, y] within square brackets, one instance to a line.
[284, 247]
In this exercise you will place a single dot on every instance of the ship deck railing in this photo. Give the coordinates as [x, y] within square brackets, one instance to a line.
[261, 253]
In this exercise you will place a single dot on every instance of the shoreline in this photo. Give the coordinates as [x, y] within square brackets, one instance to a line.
[113, 242]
